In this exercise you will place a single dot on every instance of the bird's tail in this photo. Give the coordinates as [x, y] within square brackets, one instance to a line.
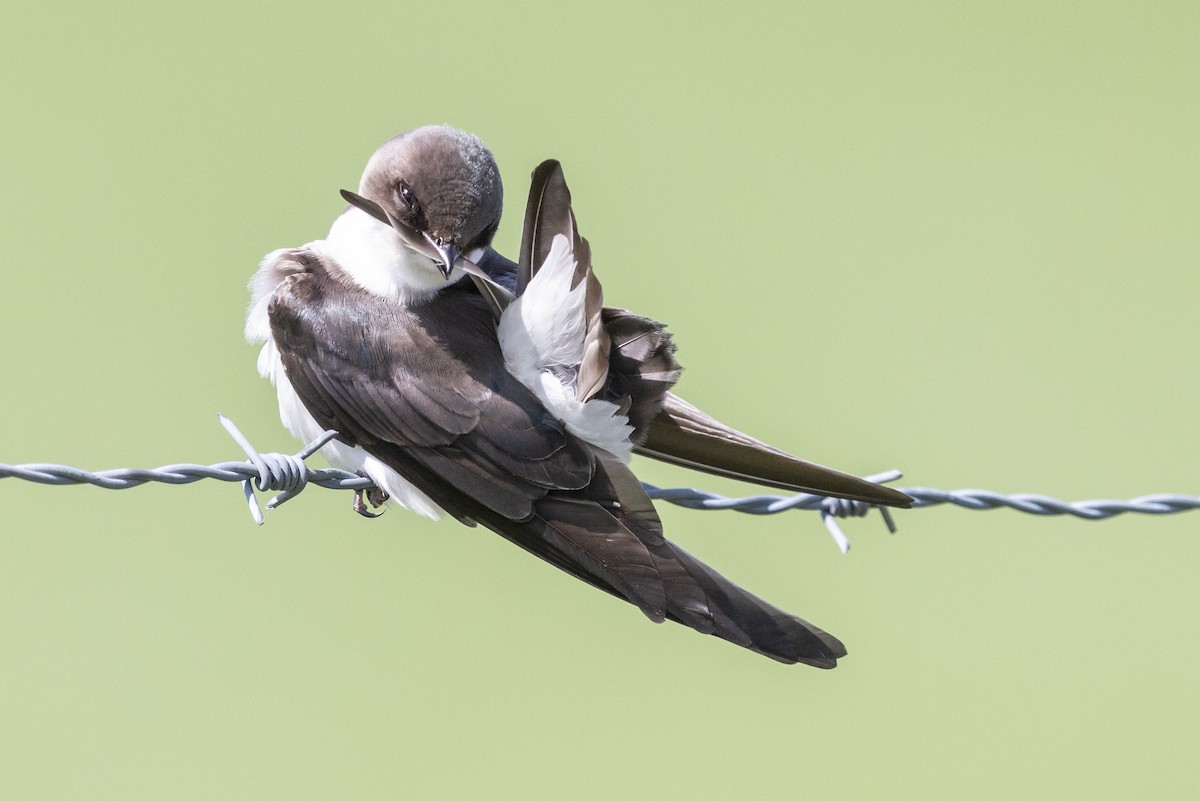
[613, 540]
[666, 582]
[747, 620]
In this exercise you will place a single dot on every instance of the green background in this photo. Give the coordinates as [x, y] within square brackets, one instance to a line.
[955, 238]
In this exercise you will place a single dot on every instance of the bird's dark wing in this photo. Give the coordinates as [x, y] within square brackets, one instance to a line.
[424, 389]
[386, 376]
[547, 213]
[682, 434]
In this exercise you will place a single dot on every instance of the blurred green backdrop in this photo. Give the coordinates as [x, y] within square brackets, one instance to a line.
[962, 239]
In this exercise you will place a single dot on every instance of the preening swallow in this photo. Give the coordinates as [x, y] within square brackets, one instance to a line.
[505, 393]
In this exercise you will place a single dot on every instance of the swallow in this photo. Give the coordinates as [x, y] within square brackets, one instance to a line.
[506, 394]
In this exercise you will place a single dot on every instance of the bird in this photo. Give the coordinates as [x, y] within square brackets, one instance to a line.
[505, 393]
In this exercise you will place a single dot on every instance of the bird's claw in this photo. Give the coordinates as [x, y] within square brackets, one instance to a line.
[369, 495]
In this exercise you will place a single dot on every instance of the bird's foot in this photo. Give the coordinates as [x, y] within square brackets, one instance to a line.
[371, 495]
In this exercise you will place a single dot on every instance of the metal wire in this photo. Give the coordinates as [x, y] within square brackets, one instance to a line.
[288, 475]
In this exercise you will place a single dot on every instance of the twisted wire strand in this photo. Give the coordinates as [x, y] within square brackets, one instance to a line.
[288, 474]
[1164, 503]
[924, 497]
[127, 478]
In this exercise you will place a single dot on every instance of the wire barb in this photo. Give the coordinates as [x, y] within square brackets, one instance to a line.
[830, 508]
[277, 472]
[288, 475]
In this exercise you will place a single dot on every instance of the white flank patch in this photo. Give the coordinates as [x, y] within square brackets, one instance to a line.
[541, 334]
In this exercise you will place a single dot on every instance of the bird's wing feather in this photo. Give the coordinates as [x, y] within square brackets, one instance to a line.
[682, 434]
[426, 392]
[548, 214]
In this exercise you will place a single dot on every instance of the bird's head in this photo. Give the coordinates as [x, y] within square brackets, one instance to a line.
[438, 187]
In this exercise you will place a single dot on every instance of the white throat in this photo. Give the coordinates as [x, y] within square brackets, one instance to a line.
[375, 257]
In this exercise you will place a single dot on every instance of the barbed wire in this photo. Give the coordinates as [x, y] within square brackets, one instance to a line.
[289, 474]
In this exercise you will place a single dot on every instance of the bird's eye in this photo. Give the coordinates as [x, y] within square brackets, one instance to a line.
[407, 196]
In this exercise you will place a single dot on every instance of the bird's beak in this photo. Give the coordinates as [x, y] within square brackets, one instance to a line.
[444, 254]
[448, 252]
